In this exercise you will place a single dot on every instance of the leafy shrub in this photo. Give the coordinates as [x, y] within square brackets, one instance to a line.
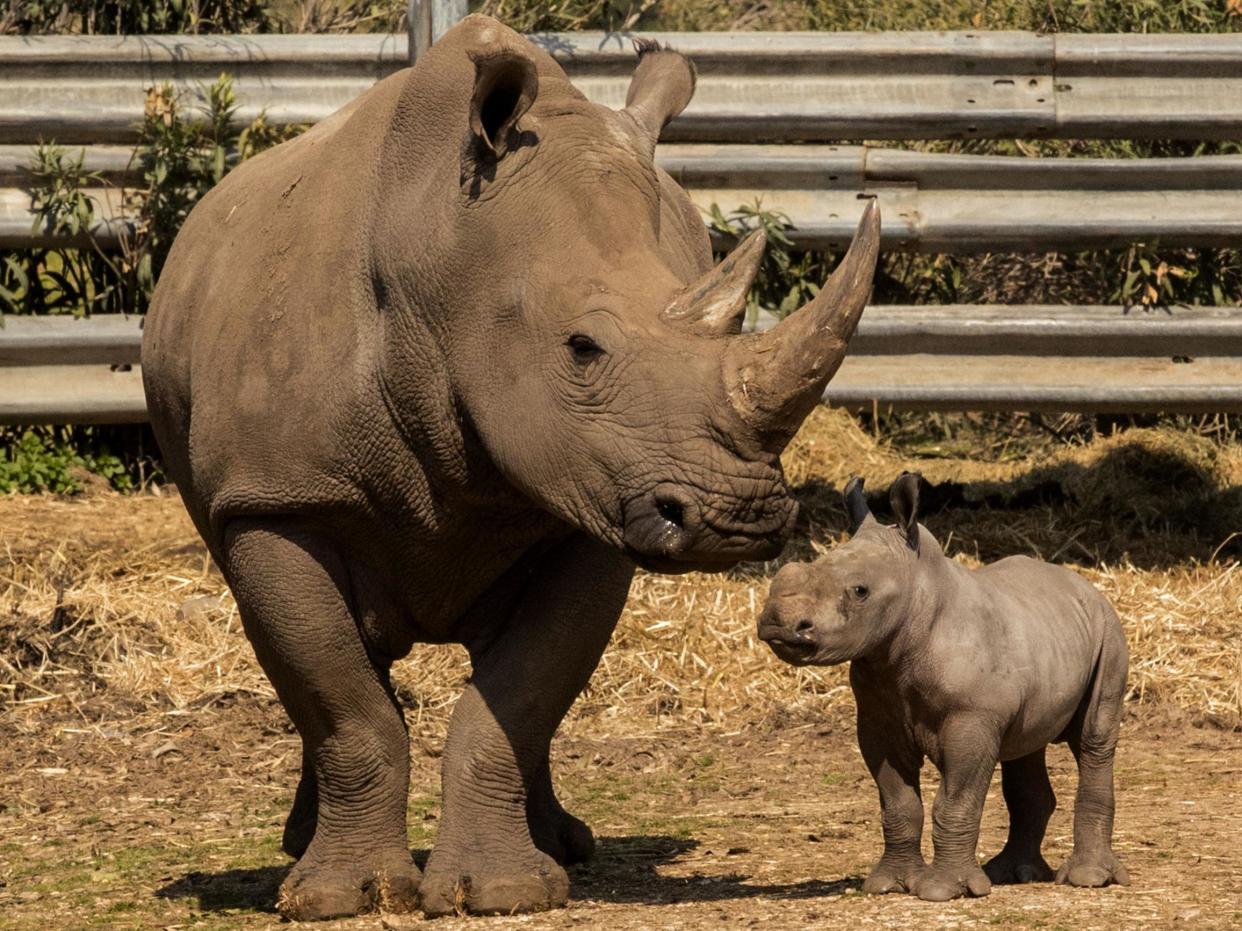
[60, 459]
[179, 157]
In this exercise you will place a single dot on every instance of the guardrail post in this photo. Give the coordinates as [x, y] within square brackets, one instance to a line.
[427, 20]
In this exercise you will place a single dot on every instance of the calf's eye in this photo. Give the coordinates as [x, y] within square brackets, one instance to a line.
[584, 349]
[860, 591]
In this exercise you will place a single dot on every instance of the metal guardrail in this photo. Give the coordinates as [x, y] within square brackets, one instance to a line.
[933, 203]
[753, 87]
[968, 357]
[756, 93]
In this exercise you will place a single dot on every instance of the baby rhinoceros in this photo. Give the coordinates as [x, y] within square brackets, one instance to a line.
[963, 667]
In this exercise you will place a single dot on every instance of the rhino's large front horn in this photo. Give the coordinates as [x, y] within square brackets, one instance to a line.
[774, 379]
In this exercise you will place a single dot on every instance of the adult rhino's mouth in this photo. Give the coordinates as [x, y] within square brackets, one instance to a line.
[668, 530]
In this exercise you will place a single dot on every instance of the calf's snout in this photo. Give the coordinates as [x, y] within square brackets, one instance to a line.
[787, 623]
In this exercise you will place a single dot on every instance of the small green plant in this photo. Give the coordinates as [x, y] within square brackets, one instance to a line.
[788, 278]
[182, 152]
[181, 158]
[57, 459]
[78, 279]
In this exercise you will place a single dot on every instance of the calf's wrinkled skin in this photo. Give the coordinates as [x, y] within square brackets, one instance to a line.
[965, 668]
[443, 369]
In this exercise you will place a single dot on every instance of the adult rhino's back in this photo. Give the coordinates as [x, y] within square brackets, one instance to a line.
[251, 345]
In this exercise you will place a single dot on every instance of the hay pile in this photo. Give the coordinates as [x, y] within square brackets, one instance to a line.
[111, 612]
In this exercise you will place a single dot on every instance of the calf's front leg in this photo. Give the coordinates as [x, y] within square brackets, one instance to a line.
[969, 748]
[527, 672]
[894, 766]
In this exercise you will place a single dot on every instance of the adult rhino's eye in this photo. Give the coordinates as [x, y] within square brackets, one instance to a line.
[860, 591]
[584, 349]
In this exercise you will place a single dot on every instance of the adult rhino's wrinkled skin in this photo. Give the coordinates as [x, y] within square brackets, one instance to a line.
[965, 667]
[444, 369]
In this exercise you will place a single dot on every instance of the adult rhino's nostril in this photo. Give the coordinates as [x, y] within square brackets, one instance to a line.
[804, 627]
[672, 511]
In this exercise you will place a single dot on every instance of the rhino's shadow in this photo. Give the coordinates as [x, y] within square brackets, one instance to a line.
[625, 870]
[250, 890]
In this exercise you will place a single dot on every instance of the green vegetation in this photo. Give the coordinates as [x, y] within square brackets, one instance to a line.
[181, 153]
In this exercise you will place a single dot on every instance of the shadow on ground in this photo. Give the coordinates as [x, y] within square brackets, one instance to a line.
[1151, 501]
[229, 890]
[625, 870]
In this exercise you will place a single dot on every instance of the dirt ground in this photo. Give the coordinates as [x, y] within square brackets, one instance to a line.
[145, 767]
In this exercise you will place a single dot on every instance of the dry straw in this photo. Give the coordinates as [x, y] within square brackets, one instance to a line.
[111, 612]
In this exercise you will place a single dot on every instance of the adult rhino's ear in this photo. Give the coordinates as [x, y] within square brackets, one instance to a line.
[855, 504]
[904, 498]
[662, 86]
[505, 85]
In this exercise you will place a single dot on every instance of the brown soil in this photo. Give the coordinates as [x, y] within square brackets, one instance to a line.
[145, 767]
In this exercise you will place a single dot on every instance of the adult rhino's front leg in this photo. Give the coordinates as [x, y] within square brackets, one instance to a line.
[527, 673]
[348, 826]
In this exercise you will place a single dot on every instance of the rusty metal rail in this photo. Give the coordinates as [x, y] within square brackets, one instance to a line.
[753, 87]
[931, 203]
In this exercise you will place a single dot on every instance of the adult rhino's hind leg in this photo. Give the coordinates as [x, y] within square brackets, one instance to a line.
[300, 825]
[527, 672]
[292, 592]
[1031, 802]
[556, 832]
[1093, 741]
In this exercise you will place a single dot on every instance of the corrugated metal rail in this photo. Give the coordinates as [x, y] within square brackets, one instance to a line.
[770, 87]
[757, 93]
[934, 203]
[967, 357]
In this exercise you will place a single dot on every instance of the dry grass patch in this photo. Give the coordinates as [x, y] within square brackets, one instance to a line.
[111, 610]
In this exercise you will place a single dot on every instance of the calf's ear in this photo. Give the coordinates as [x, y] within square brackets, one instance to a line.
[662, 86]
[855, 504]
[505, 85]
[904, 498]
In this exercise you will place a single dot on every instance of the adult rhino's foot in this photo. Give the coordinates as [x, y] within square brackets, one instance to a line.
[319, 891]
[939, 883]
[476, 884]
[1093, 869]
[1008, 867]
[556, 832]
[893, 876]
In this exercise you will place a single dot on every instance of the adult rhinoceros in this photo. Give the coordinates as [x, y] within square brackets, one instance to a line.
[444, 369]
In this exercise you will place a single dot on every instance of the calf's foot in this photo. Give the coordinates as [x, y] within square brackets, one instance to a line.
[1093, 869]
[479, 884]
[1009, 867]
[940, 882]
[386, 881]
[893, 876]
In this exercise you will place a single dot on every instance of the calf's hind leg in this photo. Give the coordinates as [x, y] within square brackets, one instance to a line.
[1031, 802]
[1093, 740]
[292, 592]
